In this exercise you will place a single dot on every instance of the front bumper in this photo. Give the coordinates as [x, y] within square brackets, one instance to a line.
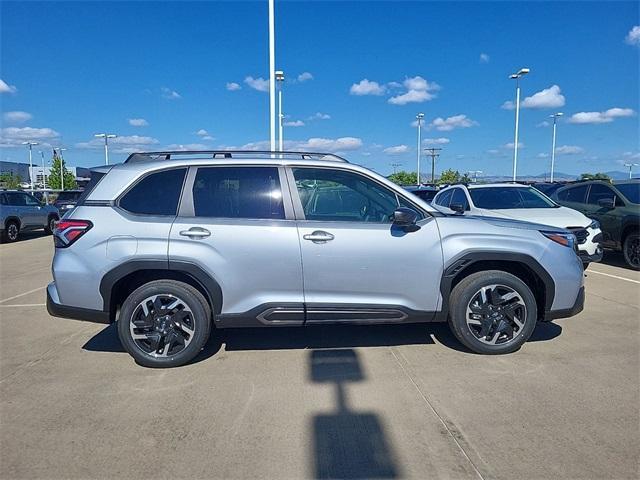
[596, 257]
[56, 309]
[577, 307]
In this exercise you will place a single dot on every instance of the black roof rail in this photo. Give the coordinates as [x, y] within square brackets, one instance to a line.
[148, 156]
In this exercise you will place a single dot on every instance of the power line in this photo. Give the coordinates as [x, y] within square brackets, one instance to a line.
[433, 153]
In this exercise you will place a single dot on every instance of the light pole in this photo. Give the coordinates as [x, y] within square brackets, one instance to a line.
[630, 165]
[106, 137]
[553, 142]
[280, 80]
[475, 174]
[516, 77]
[44, 176]
[419, 118]
[60, 150]
[30, 144]
[272, 86]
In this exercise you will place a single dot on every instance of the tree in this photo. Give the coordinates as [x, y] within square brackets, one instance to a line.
[54, 177]
[595, 176]
[10, 181]
[404, 178]
[449, 176]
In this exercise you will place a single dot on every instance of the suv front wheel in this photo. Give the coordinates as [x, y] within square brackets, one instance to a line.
[631, 250]
[164, 323]
[492, 312]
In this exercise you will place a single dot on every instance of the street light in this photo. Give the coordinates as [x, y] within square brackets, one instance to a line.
[280, 79]
[272, 66]
[44, 177]
[106, 137]
[516, 76]
[419, 118]
[555, 117]
[630, 165]
[30, 144]
[60, 150]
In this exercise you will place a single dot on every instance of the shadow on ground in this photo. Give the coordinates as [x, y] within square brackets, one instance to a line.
[614, 259]
[29, 235]
[320, 337]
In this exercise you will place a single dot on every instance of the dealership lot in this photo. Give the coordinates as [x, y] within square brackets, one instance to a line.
[330, 402]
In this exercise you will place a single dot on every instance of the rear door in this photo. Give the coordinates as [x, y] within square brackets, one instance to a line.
[610, 222]
[235, 223]
[36, 213]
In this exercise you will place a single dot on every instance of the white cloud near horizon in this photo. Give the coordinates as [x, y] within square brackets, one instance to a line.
[418, 90]
[259, 84]
[121, 144]
[451, 123]
[202, 133]
[319, 116]
[138, 122]
[547, 98]
[436, 141]
[17, 117]
[366, 87]
[316, 144]
[294, 123]
[569, 150]
[607, 116]
[14, 136]
[396, 150]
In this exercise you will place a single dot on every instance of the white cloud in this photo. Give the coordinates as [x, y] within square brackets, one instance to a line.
[601, 117]
[397, 150]
[329, 145]
[543, 155]
[304, 76]
[418, 90]
[138, 122]
[124, 144]
[543, 124]
[633, 37]
[510, 145]
[202, 133]
[508, 105]
[233, 86]
[186, 147]
[631, 155]
[14, 136]
[547, 98]
[484, 58]
[319, 116]
[569, 150]
[170, 94]
[294, 123]
[259, 84]
[4, 88]
[17, 117]
[450, 123]
[366, 87]
[436, 141]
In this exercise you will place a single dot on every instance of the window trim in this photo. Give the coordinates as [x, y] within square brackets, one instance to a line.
[299, 210]
[186, 207]
[116, 202]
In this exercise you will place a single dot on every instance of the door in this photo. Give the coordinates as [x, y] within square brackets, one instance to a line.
[357, 265]
[37, 215]
[236, 225]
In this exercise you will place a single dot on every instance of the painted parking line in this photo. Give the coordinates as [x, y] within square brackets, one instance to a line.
[613, 276]
[24, 305]
[22, 294]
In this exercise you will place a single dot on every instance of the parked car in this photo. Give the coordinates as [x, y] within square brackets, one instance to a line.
[616, 206]
[549, 188]
[424, 192]
[67, 199]
[523, 202]
[173, 244]
[20, 211]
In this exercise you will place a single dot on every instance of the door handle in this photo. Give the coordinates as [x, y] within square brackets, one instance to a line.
[319, 236]
[196, 232]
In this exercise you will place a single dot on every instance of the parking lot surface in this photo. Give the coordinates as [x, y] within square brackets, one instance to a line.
[324, 402]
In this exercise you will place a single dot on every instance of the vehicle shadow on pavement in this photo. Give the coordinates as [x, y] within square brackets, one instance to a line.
[347, 443]
[320, 337]
[30, 235]
[614, 259]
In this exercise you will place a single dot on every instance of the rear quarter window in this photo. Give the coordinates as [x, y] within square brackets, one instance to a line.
[573, 194]
[156, 194]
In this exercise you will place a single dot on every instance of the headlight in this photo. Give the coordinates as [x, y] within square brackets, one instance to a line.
[594, 225]
[565, 239]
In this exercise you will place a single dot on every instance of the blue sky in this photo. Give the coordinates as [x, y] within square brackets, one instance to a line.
[190, 74]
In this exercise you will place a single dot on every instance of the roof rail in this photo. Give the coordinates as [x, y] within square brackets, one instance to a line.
[168, 155]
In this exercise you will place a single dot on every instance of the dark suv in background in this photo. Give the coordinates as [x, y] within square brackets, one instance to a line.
[616, 206]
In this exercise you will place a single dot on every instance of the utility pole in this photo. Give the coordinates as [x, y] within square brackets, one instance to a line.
[395, 167]
[433, 153]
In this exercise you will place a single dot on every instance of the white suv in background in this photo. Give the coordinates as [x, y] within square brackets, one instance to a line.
[523, 202]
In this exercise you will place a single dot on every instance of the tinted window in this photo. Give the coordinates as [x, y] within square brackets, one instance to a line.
[631, 191]
[426, 195]
[31, 201]
[573, 194]
[238, 192]
[497, 198]
[155, 194]
[599, 192]
[68, 196]
[16, 199]
[444, 198]
[337, 195]
[459, 198]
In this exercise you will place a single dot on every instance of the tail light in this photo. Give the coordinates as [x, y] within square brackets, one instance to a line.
[69, 231]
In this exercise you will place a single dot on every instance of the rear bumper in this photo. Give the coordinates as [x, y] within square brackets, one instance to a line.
[577, 307]
[56, 309]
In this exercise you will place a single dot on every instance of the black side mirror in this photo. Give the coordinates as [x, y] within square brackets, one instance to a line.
[608, 203]
[404, 217]
[456, 207]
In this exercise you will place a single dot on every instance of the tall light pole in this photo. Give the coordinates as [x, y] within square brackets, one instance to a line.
[475, 174]
[272, 82]
[106, 137]
[44, 176]
[419, 118]
[280, 80]
[630, 165]
[516, 76]
[30, 144]
[60, 150]
[553, 142]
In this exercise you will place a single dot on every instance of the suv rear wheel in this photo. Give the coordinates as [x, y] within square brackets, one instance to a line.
[631, 250]
[492, 312]
[164, 323]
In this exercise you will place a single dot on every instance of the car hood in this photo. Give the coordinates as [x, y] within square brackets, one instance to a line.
[504, 221]
[561, 217]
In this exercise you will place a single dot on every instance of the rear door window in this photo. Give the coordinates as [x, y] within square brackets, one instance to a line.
[444, 198]
[573, 194]
[599, 192]
[459, 198]
[156, 194]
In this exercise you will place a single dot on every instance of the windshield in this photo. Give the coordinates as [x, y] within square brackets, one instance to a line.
[499, 198]
[631, 191]
[66, 196]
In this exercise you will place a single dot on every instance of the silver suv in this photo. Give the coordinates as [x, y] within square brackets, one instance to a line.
[173, 244]
[20, 211]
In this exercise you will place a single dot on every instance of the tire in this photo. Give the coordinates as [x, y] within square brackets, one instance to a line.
[11, 231]
[631, 250]
[476, 324]
[51, 225]
[157, 328]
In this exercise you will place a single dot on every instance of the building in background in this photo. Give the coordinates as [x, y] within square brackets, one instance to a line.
[81, 174]
[16, 169]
